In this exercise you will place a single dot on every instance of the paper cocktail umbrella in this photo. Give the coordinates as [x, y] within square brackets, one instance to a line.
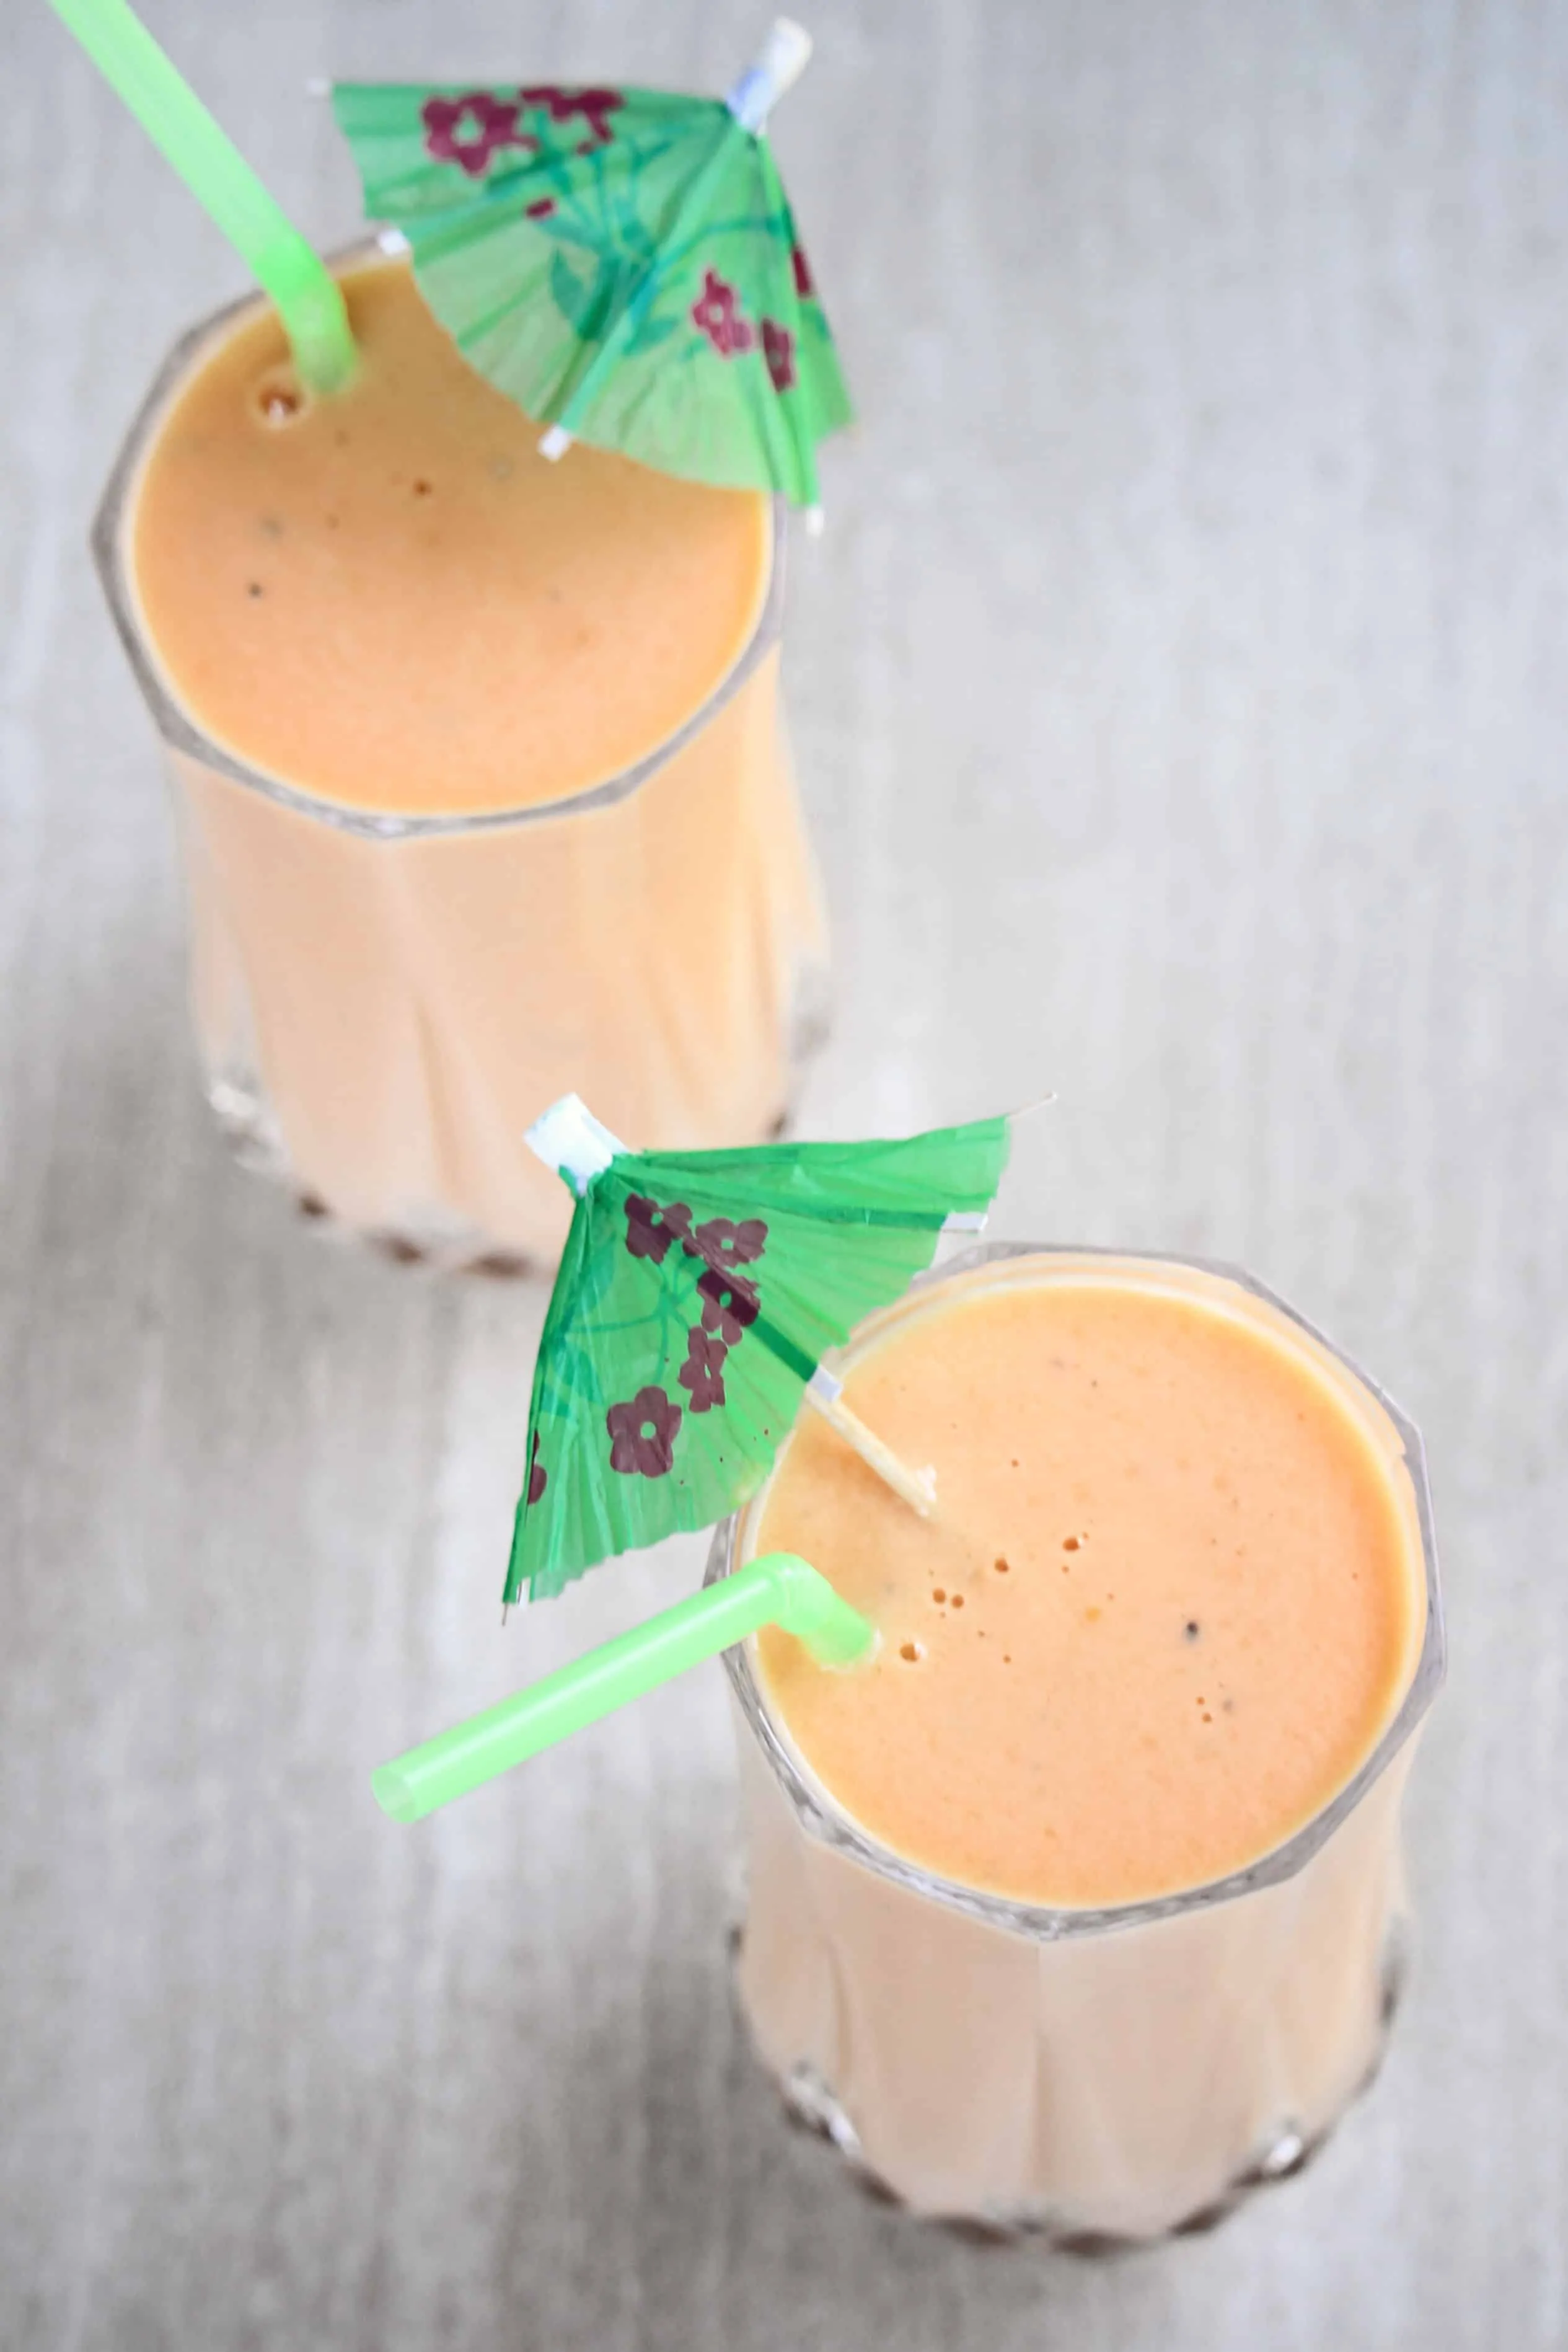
[696, 1297]
[622, 263]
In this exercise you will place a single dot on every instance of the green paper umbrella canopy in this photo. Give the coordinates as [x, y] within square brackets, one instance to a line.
[697, 1295]
[622, 263]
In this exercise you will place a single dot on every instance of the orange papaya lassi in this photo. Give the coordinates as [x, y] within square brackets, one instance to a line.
[479, 767]
[1100, 1923]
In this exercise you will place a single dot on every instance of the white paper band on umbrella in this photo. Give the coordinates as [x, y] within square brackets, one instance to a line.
[569, 1139]
[779, 64]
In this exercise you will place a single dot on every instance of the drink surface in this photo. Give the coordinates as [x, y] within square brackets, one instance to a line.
[1171, 1598]
[391, 601]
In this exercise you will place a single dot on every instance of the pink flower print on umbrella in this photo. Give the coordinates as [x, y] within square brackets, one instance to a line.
[730, 1304]
[716, 314]
[538, 1479]
[721, 1242]
[703, 1372]
[643, 1434]
[540, 209]
[650, 1230]
[468, 130]
[805, 284]
[595, 106]
[778, 351]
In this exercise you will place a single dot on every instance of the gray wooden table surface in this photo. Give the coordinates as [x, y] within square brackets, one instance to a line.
[1181, 701]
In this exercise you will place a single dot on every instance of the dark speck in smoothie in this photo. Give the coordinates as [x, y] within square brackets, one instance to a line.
[1192, 1628]
[253, 588]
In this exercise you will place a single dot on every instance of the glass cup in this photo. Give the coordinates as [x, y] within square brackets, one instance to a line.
[1099, 2075]
[377, 1016]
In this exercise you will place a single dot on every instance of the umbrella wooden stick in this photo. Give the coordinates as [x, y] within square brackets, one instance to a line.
[824, 1394]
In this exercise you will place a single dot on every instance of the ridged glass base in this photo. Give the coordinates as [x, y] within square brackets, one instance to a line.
[810, 2103]
[445, 1245]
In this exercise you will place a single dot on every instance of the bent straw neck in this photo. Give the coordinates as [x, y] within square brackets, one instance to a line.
[309, 298]
[315, 316]
[780, 1589]
[805, 1604]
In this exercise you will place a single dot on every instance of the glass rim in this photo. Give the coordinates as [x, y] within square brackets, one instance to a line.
[110, 541]
[822, 1819]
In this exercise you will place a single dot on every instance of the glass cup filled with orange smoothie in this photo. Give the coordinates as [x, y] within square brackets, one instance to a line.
[478, 771]
[1079, 1909]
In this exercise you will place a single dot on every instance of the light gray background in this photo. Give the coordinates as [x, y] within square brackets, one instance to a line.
[1181, 694]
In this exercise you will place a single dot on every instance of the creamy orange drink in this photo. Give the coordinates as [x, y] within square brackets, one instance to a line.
[479, 772]
[1076, 1906]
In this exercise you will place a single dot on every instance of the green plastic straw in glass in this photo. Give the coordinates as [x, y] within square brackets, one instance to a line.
[780, 1589]
[309, 298]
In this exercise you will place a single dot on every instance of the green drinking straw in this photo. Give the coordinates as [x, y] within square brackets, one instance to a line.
[780, 1589]
[309, 298]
